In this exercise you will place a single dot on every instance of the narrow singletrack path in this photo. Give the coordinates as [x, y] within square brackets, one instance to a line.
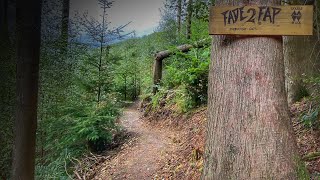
[145, 157]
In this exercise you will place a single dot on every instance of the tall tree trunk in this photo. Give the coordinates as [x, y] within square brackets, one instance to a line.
[65, 25]
[301, 56]
[249, 133]
[102, 39]
[317, 17]
[99, 72]
[7, 100]
[125, 88]
[179, 12]
[139, 85]
[5, 52]
[135, 86]
[189, 18]
[28, 53]
[157, 75]
[64, 66]
[4, 14]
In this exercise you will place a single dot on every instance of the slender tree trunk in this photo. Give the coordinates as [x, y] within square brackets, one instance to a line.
[189, 18]
[101, 53]
[99, 72]
[65, 25]
[7, 100]
[5, 53]
[317, 17]
[179, 12]
[64, 65]
[135, 86]
[4, 15]
[139, 85]
[301, 56]
[249, 133]
[28, 53]
[125, 88]
[157, 74]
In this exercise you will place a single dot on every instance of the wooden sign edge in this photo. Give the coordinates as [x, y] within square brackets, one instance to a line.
[273, 34]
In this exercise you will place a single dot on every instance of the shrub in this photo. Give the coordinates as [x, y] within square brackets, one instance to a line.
[188, 75]
[311, 119]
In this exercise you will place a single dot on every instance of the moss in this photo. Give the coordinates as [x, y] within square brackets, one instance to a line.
[302, 172]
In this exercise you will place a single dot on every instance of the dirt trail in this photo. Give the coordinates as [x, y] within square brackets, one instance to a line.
[145, 157]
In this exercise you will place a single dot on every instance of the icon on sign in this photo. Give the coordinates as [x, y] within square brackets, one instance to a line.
[296, 16]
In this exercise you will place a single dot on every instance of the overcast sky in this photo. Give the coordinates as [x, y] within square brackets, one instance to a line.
[144, 14]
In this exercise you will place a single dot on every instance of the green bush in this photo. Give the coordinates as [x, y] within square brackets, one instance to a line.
[188, 75]
[311, 119]
[82, 127]
[183, 99]
[157, 98]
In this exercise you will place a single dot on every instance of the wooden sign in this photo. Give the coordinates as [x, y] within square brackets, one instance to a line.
[261, 20]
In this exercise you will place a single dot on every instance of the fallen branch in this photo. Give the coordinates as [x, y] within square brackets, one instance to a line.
[183, 48]
[87, 167]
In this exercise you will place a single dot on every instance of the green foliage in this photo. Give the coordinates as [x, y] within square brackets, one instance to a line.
[311, 119]
[94, 122]
[201, 10]
[55, 169]
[97, 75]
[302, 92]
[185, 74]
[188, 73]
[183, 99]
[71, 121]
[132, 74]
[314, 84]
[80, 96]
[302, 171]
[157, 98]
[186, 77]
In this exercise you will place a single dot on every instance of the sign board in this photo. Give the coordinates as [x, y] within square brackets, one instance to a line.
[261, 20]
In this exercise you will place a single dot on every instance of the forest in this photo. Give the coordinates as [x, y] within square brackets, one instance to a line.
[83, 99]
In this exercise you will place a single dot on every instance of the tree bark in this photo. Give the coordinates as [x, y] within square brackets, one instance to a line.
[249, 133]
[7, 95]
[135, 87]
[125, 88]
[102, 40]
[179, 12]
[189, 18]
[65, 25]
[4, 13]
[28, 53]
[5, 50]
[301, 56]
[157, 74]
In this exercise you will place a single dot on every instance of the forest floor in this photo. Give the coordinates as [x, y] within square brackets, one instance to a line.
[164, 144]
[144, 154]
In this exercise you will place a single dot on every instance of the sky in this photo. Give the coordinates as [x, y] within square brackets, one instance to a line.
[144, 15]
